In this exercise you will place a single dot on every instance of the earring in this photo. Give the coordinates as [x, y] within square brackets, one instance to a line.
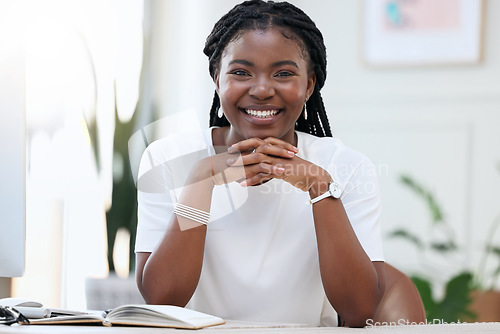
[220, 113]
[305, 112]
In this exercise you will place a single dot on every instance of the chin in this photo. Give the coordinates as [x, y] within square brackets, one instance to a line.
[263, 133]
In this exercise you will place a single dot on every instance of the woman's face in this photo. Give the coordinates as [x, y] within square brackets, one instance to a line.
[263, 83]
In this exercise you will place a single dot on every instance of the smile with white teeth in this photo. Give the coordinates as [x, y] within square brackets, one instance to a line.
[261, 113]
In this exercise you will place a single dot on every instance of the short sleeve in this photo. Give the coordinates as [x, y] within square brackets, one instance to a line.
[362, 202]
[163, 171]
[357, 176]
[154, 199]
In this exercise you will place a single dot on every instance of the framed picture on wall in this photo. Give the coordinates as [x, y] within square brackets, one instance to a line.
[421, 32]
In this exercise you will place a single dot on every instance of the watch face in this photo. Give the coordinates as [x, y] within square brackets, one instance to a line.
[335, 189]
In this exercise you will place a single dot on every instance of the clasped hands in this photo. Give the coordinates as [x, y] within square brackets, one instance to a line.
[254, 161]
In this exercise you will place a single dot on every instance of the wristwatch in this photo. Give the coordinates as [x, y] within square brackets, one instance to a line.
[333, 190]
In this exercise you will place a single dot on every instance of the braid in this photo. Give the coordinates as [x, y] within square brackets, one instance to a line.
[259, 14]
[214, 119]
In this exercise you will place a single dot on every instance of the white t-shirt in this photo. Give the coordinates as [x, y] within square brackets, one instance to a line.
[261, 257]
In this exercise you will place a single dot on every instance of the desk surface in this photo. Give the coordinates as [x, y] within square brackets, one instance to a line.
[230, 329]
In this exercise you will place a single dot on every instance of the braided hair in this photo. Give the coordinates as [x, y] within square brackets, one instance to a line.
[259, 14]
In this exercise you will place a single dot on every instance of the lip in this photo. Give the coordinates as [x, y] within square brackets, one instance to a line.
[264, 108]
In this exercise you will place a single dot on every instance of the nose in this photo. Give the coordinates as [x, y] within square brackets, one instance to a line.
[262, 88]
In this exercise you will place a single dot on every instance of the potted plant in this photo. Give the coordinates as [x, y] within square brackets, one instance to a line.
[486, 300]
[468, 296]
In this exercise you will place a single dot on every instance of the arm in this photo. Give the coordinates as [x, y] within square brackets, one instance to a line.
[356, 290]
[170, 274]
[353, 283]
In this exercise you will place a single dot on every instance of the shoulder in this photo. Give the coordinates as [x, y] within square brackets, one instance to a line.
[185, 140]
[328, 150]
[174, 146]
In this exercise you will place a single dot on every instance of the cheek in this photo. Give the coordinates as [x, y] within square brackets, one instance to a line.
[229, 90]
[295, 94]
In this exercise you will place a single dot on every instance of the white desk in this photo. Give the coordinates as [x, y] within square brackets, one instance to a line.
[472, 328]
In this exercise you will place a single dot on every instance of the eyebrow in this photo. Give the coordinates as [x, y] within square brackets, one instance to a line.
[276, 64]
[240, 61]
[285, 62]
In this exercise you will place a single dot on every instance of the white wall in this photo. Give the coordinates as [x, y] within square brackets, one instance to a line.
[78, 54]
[437, 124]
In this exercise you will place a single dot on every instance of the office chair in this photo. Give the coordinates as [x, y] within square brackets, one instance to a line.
[401, 303]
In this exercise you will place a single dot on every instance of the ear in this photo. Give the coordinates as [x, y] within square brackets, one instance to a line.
[216, 81]
[311, 83]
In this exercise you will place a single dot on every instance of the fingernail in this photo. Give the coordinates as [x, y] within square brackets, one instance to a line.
[231, 149]
[244, 183]
[295, 149]
[290, 153]
[230, 161]
[279, 170]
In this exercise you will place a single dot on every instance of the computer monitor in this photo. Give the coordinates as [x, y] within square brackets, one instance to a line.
[12, 160]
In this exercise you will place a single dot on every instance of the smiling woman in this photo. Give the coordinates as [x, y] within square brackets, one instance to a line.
[273, 219]
[263, 82]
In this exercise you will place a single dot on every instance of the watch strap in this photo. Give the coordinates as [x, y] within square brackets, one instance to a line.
[320, 197]
[334, 191]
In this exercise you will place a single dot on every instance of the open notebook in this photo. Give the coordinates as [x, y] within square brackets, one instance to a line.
[138, 315]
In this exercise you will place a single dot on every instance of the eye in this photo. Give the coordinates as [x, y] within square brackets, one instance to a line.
[239, 72]
[284, 74]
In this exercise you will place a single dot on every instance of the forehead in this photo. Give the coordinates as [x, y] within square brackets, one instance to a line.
[269, 42]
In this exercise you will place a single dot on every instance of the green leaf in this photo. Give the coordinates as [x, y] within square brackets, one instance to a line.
[432, 205]
[454, 305]
[425, 290]
[408, 236]
[457, 300]
[444, 246]
[493, 249]
[407, 180]
[92, 128]
[437, 215]
[123, 211]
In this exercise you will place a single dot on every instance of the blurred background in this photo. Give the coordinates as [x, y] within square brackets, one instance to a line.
[413, 84]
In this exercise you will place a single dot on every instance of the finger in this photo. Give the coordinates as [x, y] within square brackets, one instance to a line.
[266, 148]
[266, 173]
[234, 173]
[255, 180]
[229, 174]
[286, 145]
[251, 159]
[275, 150]
[245, 145]
[250, 144]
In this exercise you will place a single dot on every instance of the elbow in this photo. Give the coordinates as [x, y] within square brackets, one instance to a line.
[151, 298]
[155, 295]
[156, 288]
[359, 318]
[362, 313]
[156, 299]
[164, 298]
